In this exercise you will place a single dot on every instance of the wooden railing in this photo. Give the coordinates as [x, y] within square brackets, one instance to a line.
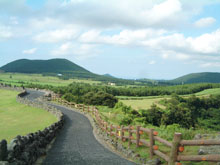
[134, 136]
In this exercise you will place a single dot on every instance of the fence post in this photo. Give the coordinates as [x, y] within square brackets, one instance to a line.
[137, 136]
[152, 142]
[130, 135]
[83, 107]
[106, 126]
[93, 110]
[122, 132]
[88, 109]
[174, 148]
[111, 129]
[116, 133]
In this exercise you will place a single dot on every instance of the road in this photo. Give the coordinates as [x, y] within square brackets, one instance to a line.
[76, 144]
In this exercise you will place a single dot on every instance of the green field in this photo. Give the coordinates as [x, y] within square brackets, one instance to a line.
[146, 102]
[19, 79]
[18, 119]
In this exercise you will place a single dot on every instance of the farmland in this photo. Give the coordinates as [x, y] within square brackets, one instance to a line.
[21, 79]
[146, 102]
[18, 119]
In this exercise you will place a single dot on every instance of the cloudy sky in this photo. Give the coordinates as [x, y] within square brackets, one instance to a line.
[158, 39]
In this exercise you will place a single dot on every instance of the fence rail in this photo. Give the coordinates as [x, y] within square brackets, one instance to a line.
[134, 135]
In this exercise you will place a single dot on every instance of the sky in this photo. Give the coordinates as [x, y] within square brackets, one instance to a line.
[155, 39]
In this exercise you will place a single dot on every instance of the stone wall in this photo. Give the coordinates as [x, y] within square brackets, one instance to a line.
[25, 150]
[10, 87]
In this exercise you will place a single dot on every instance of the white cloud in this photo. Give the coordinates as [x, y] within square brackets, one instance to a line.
[152, 62]
[166, 44]
[5, 32]
[126, 14]
[29, 51]
[205, 22]
[163, 11]
[125, 37]
[79, 51]
[207, 43]
[210, 64]
[14, 20]
[58, 35]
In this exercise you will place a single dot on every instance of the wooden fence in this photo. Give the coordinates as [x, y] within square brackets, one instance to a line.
[133, 135]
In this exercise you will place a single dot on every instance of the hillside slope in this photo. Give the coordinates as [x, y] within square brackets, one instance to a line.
[204, 77]
[42, 66]
[53, 67]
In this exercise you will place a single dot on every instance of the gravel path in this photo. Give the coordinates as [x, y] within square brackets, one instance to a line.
[76, 143]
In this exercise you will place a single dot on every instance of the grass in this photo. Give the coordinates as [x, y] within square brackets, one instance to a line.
[147, 101]
[215, 91]
[18, 119]
[143, 104]
[19, 79]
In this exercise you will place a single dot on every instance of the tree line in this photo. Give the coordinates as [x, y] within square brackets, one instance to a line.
[192, 112]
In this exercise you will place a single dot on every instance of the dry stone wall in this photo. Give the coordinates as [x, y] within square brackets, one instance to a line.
[25, 150]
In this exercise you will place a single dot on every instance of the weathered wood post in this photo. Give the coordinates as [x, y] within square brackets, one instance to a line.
[122, 132]
[116, 133]
[152, 142]
[93, 110]
[83, 107]
[129, 135]
[88, 109]
[174, 148]
[137, 136]
[111, 129]
[106, 126]
[3, 150]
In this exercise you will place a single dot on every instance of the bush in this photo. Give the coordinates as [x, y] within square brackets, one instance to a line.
[100, 98]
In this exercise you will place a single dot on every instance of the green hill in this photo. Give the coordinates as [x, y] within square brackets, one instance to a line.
[61, 68]
[52, 67]
[205, 77]
[42, 66]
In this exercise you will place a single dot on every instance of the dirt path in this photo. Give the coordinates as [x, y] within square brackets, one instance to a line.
[76, 143]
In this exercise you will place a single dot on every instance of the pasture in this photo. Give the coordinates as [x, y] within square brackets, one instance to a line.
[18, 119]
[20, 78]
[146, 102]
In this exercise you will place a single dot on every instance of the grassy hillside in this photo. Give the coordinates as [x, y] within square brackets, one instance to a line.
[62, 68]
[18, 119]
[205, 77]
[42, 66]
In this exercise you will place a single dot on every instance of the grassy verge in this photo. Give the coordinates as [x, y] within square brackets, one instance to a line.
[18, 119]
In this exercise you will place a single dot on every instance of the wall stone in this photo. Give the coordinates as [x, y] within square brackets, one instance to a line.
[25, 150]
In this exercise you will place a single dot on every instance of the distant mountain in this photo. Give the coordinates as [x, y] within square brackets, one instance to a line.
[52, 66]
[108, 75]
[204, 77]
[62, 68]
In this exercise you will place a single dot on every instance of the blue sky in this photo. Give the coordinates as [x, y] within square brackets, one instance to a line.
[157, 39]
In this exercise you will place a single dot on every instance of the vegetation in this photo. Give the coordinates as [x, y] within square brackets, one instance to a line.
[79, 89]
[191, 112]
[63, 69]
[205, 77]
[18, 119]
[142, 102]
[125, 115]
[91, 98]
[21, 79]
[43, 66]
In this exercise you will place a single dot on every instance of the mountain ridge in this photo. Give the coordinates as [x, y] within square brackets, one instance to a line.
[68, 69]
[201, 77]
